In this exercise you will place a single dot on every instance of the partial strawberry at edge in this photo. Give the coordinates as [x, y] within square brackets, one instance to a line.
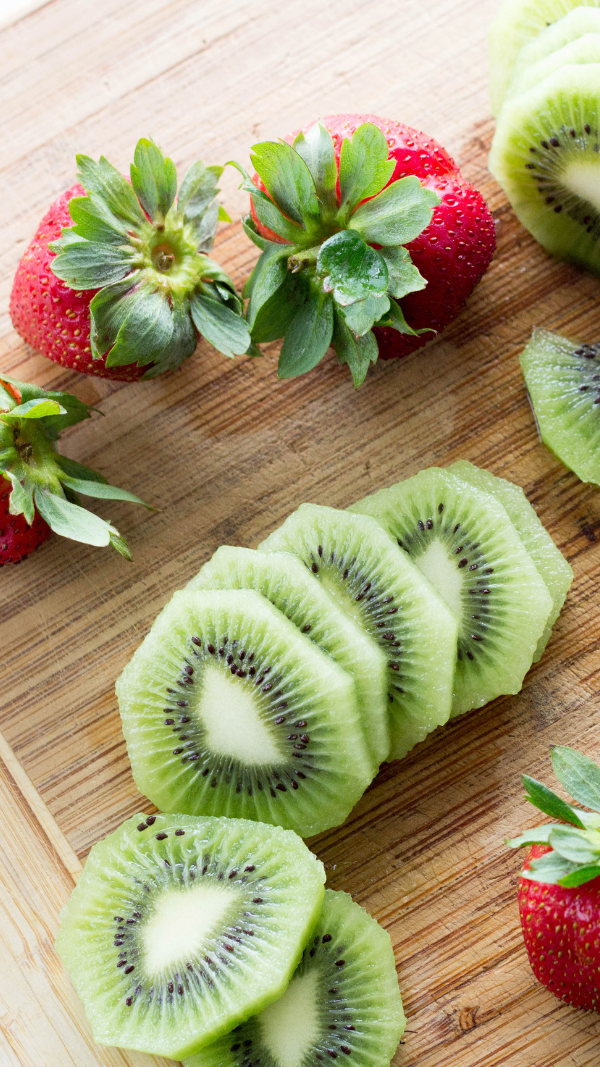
[17, 539]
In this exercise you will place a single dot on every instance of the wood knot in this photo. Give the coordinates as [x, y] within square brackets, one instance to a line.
[467, 1019]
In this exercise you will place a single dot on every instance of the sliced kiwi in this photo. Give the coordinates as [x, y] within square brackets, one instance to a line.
[229, 710]
[546, 156]
[180, 928]
[563, 379]
[283, 580]
[343, 1002]
[585, 49]
[464, 542]
[576, 23]
[377, 586]
[549, 561]
[516, 23]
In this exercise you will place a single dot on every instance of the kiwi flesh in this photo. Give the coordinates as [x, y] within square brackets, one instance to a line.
[464, 542]
[563, 379]
[576, 23]
[228, 709]
[546, 156]
[516, 23]
[374, 583]
[586, 49]
[549, 561]
[343, 1002]
[180, 928]
[285, 581]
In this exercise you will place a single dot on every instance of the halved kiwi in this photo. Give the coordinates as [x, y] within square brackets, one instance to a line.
[585, 49]
[464, 542]
[180, 928]
[283, 580]
[549, 561]
[514, 25]
[576, 23]
[546, 156]
[342, 1003]
[377, 586]
[563, 379]
[229, 710]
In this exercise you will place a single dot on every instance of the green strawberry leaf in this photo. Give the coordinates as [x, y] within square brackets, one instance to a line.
[36, 409]
[362, 316]
[144, 321]
[101, 490]
[21, 498]
[545, 800]
[92, 265]
[182, 344]
[397, 215]
[225, 330]
[198, 189]
[120, 545]
[256, 238]
[580, 876]
[404, 277]
[9, 459]
[364, 167]
[288, 181]
[74, 411]
[317, 150]
[350, 269]
[72, 469]
[268, 276]
[550, 868]
[93, 222]
[69, 520]
[275, 315]
[579, 775]
[270, 216]
[357, 352]
[540, 835]
[154, 179]
[113, 190]
[576, 846]
[308, 334]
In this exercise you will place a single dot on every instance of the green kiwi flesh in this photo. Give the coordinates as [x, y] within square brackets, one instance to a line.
[576, 23]
[375, 583]
[465, 543]
[229, 710]
[516, 23]
[586, 49]
[180, 928]
[343, 1002]
[549, 561]
[563, 379]
[285, 581]
[545, 155]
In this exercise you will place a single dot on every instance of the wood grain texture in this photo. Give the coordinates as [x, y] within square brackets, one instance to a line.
[226, 451]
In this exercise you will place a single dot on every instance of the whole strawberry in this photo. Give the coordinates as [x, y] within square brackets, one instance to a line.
[559, 890]
[38, 487]
[117, 282]
[387, 242]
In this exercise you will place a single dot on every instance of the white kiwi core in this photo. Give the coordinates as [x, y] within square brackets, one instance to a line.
[441, 570]
[581, 178]
[291, 1025]
[181, 922]
[229, 713]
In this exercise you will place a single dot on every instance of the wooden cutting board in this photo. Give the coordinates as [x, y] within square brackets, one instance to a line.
[225, 452]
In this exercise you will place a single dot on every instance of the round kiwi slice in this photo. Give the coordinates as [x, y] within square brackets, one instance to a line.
[545, 155]
[549, 561]
[563, 379]
[342, 1003]
[376, 585]
[285, 581]
[464, 542]
[180, 928]
[516, 23]
[229, 710]
[576, 23]
[585, 49]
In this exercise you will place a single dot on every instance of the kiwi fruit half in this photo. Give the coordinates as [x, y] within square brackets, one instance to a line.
[286, 582]
[342, 1003]
[180, 928]
[549, 561]
[563, 379]
[229, 710]
[374, 583]
[585, 49]
[464, 542]
[516, 23]
[546, 156]
[576, 23]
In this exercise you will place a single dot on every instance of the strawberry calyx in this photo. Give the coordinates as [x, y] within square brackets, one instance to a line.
[144, 248]
[335, 264]
[574, 842]
[44, 482]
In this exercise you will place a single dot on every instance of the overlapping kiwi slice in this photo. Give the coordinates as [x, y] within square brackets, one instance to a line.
[585, 49]
[549, 561]
[464, 542]
[575, 24]
[375, 584]
[228, 709]
[343, 1002]
[563, 379]
[282, 579]
[180, 928]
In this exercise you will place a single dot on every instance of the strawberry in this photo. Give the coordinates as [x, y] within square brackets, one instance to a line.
[39, 487]
[116, 281]
[559, 888]
[359, 190]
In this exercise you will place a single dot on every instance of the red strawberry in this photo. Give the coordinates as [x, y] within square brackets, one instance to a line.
[559, 890]
[451, 250]
[127, 289]
[17, 538]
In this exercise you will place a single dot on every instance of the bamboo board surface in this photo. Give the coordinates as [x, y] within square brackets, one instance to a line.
[225, 451]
